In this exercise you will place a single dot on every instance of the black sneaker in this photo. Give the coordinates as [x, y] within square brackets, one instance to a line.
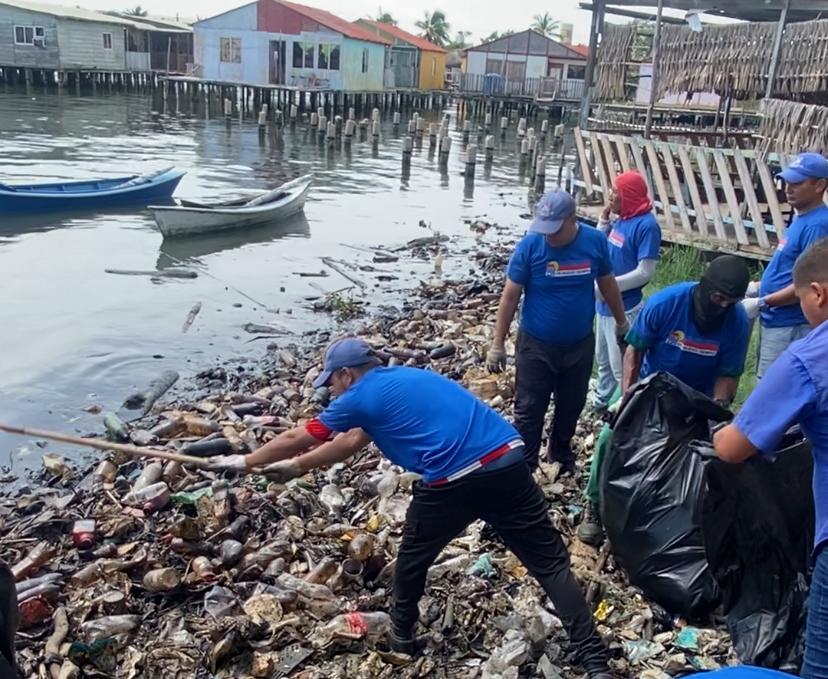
[567, 469]
[591, 532]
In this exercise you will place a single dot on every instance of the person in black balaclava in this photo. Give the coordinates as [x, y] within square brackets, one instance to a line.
[698, 332]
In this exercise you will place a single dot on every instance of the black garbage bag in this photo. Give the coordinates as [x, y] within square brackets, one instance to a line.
[694, 533]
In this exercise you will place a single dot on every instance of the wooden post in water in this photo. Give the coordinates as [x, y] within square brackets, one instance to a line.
[471, 160]
[375, 131]
[322, 125]
[331, 134]
[412, 126]
[351, 113]
[420, 127]
[540, 175]
[466, 131]
[396, 121]
[432, 135]
[350, 127]
[314, 120]
[338, 126]
[489, 146]
[445, 149]
[294, 113]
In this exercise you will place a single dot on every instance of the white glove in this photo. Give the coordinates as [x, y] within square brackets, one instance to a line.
[496, 359]
[752, 307]
[282, 471]
[753, 289]
[231, 462]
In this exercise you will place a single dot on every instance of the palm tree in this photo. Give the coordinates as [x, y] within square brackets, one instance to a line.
[385, 17]
[459, 41]
[546, 25]
[435, 28]
[136, 11]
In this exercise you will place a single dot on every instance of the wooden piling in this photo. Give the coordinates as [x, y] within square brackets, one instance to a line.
[489, 146]
[540, 174]
[471, 159]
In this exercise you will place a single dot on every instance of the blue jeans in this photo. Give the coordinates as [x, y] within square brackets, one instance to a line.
[773, 341]
[816, 638]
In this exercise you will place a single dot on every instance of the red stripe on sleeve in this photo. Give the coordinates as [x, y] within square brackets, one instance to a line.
[319, 431]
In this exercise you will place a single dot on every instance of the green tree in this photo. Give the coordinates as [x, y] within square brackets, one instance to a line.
[435, 28]
[136, 11]
[496, 35]
[460, 41]
[546, 25]
[385, 17]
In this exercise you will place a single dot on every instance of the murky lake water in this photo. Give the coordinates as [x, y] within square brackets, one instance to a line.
[72, 336]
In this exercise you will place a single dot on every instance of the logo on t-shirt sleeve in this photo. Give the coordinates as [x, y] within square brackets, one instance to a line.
[679, 339]
[616, 238]
[569, 269]
[782, 243]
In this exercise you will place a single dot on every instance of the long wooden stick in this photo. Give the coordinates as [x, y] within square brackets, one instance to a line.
[134, 451]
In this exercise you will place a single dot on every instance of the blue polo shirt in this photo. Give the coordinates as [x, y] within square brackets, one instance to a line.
[630, 241]
[559, 284]
[803, 232]
[422, 421]
[795, 390]
[743, 672]
[666, 331]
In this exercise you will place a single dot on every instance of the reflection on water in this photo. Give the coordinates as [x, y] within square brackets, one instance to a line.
[176, 251]
[72, 336]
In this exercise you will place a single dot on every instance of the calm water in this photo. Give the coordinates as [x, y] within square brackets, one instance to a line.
[72, 336]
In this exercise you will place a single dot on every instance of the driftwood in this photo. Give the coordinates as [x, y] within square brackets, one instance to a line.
[145, 399]
[191, 317]
[171, 273]
[333, 265]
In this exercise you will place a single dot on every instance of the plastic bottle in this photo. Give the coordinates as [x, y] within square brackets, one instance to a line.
[110, 626]
[83, 534]
[157, 495]
[359, 625]
[187, 548]
[162, 580]
[230, 553]
[106, 472]
[202, 569]
[322, 571]
[199, 426]
[361, 547]
[219, 446]
[37, 557]
[172, 471]
[151, 474]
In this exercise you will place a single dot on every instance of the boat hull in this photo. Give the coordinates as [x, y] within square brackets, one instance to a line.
[178, 221]
[88, 195]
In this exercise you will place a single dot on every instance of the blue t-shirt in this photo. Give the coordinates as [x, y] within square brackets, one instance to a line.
[803, 232]
[559, 284]
[795, 390]
[422, 421]
[666, 331]
[742, 673]
[630, 241]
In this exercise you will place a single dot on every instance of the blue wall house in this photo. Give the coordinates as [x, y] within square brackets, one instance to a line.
[275, 42]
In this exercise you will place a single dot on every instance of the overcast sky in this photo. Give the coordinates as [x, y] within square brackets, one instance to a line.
[481, 17]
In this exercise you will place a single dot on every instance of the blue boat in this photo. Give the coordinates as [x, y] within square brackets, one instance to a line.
[89, 195]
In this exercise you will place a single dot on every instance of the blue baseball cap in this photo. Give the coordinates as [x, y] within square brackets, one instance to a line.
[805, 166]
[552, 210]
[348, 352]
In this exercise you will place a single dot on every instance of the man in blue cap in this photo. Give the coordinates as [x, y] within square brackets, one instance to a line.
[555, 268]
[472, 466]
[806, 180]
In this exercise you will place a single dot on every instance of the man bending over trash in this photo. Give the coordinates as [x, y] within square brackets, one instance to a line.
[472, 465]
[793, 391]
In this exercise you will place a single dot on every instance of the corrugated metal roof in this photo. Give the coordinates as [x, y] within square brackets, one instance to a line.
[405, 36]
[333, 22]
[80, 14]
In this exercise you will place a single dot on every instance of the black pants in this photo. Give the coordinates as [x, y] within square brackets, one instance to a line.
[542, 370]
[8, 622]
[510, 501]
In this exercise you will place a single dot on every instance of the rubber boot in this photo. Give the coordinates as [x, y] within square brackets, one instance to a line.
[591, 532]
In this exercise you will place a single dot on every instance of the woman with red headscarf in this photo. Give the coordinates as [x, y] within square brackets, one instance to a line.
[634, 240]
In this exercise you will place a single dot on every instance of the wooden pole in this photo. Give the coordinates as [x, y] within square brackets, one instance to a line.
[648, 125]
[777, 49]
[589, 77]
[134, 451]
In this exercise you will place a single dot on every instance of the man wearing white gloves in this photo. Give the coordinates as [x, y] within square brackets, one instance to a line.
[554, 268]
[774, 299]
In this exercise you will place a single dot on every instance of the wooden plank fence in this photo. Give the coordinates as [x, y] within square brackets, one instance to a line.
[724, 199]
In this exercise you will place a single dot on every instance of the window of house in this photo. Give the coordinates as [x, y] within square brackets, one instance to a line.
[365, 60]
[308, 55]
[26, 35]
[107, 41]
[230, 50]
[328, 57]
[298, 55]
[576, 72]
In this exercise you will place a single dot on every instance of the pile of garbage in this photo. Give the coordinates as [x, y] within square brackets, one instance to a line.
[138, 568]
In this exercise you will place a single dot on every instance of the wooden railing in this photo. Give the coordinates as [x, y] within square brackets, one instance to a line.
[537, 88]
[722, 197]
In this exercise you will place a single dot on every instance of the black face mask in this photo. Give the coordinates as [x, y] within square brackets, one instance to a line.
[727, 275]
